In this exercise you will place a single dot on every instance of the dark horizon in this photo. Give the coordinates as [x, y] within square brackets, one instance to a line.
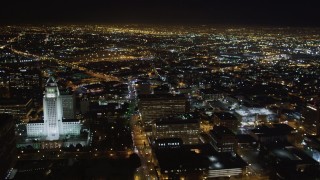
[161, 12]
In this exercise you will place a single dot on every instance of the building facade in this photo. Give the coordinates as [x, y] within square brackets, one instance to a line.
[223, 139]
[156, 106]
[16, 107]
[67, 101]
[172, 127]
[7, 140]
[54, 124]
[24, 83]
[311, 119]
[226, 119]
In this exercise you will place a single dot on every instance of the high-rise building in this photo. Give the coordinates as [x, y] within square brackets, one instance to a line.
[52, 110]
[184, 127]
[155, 106]
[54, 125]
[68, 101]
[24, 79]
[19, 108]
[318, 123]
[310, 119]
[21, 83]
[25, 83]
[7, 140]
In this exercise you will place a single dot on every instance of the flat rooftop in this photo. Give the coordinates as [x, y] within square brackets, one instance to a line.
[254, 111]
[289, 154]
[272, 130]
[221, 131]
[195, 157]
[146, 97]
[14, 101]
[178, 119]
[226, 116]
[5, 119]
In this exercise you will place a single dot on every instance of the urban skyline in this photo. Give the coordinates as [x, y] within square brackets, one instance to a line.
[159, 90]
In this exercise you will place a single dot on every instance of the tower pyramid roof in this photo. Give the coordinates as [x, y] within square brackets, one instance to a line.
[51, 81]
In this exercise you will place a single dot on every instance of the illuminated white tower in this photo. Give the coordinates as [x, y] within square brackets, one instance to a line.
[52, 110]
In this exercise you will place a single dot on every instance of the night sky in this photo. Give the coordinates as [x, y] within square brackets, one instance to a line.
[259, 12]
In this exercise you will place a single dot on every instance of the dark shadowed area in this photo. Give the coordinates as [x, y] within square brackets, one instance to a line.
[162, 12]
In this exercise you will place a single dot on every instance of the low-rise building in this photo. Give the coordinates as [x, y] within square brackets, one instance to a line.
[273, 133]
[197, 162]
[211, 95]
[253, 116]
[290, 162]
[223, 139]
[226, 119]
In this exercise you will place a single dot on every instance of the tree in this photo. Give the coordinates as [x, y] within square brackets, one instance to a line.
[78, 146]
[71, 147]
[134, 160]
